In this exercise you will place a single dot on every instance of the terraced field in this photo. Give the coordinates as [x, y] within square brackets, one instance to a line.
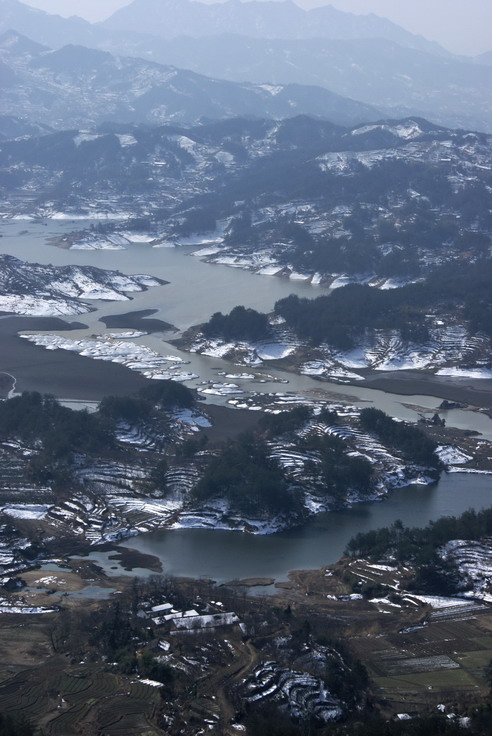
[304, 693]
[14, 487]
[69, 700]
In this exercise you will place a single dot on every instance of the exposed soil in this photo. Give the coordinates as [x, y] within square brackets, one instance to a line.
[250, 582]
[477, 392]
[137, 321]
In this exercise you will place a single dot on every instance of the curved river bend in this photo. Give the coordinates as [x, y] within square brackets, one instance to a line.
[195, 292]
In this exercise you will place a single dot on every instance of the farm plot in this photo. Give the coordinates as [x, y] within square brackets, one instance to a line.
[442, 656]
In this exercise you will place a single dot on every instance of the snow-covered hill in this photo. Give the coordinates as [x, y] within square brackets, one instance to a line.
[33, 289]
[396, 79]
[302, 198]
[76, 86]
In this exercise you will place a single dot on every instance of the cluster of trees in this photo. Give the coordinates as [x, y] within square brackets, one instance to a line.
[196, 220]
[335, 255]
[41, 420]
[168, 395]
[344, 676]
[125, 409]
[417, 546]
[254, 483]
[59, 433]
[11, 727]
[366, 251]
[161, 395]
[341, 472]
[412, 442]
[240, 324]
[340, 318]
[269, 721]
[249, 479]
[284, 422]
[431, 221]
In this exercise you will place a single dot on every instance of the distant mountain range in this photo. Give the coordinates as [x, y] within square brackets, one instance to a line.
[399, 80]
[365, 58]
[51, 30]
[79, 87]
[273, 20]
[174, 18]
[485, 58]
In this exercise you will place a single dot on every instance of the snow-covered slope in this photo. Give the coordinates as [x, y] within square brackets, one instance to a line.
[77, 86]
[395, 78]
[33, 289]
[450, 350]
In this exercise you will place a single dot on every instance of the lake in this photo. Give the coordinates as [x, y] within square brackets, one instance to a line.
[224, 556]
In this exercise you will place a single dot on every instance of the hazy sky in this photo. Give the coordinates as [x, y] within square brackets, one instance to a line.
[463, 26]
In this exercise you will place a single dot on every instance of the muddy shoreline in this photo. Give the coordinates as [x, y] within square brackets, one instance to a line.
[63, 374]
[137, 321]
[476, 392]
[7, 383]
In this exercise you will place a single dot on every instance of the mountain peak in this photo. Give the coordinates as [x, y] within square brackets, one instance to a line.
[266, 19]
[15, 42]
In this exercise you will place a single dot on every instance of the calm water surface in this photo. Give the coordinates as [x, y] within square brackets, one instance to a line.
[196, 291]
[225, 556]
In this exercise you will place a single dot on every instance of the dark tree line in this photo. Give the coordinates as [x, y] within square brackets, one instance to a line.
[342, 317]
[160, 395]
[285, 422]
[40, 419]
[249, 479]
[340, 472]
[411, 441]
[241, 324]
[34, 418]
[11, 727]
[417, 545]
[59, 434]
[269, 721]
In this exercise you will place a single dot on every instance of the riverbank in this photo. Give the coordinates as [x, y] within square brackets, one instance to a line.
[7, 383]
[63, 374]
[476, 392]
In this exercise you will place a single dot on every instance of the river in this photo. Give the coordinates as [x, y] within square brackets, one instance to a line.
[195, 291]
